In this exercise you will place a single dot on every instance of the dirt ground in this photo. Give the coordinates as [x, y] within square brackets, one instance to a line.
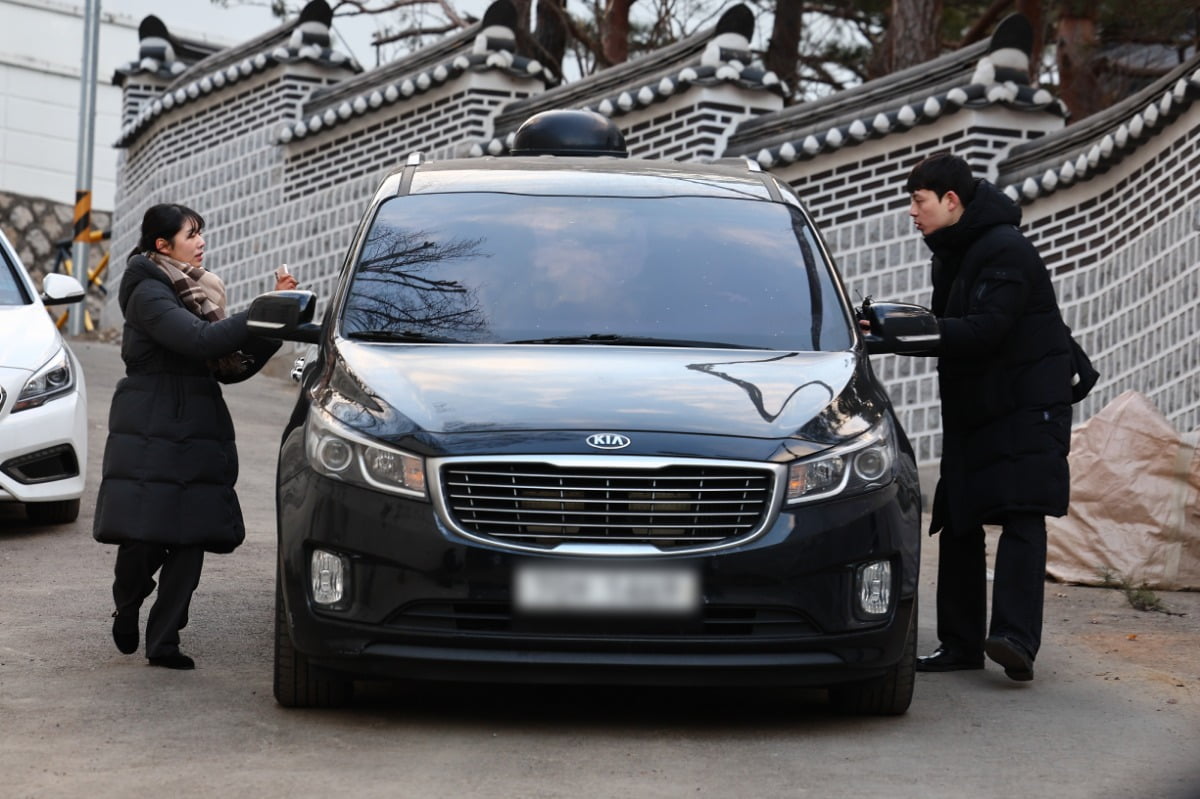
[1164, 647]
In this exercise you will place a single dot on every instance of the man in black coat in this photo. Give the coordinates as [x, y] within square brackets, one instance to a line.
[1004, 377]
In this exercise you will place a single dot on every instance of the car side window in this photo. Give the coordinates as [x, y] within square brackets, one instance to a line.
[12, 289]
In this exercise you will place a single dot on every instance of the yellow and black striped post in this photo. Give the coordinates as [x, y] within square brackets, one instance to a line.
[76, 323]
[83, 215]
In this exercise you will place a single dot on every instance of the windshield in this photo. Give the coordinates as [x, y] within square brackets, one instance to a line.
[676, 271]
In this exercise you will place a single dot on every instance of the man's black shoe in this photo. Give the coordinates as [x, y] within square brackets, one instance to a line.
[1012, 656]
[175, 661]
[125, 632]
[945, 660]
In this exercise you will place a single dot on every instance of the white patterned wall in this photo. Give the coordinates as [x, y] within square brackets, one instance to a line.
[1123, 247]
[1124, 250]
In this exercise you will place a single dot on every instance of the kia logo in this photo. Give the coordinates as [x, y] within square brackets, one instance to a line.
[608, 441]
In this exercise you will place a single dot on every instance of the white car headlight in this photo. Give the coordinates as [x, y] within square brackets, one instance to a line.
[866, 463]
[55, 379]
[338, 452]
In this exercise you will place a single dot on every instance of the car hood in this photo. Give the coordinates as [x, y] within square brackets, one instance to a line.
[490, 388]
[27, 336]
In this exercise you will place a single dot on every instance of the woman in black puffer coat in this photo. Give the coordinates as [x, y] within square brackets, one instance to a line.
[167, 489]
[1004, 374]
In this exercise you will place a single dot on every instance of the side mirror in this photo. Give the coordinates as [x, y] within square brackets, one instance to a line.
[285, 315]
[900, 328]
[61, 290]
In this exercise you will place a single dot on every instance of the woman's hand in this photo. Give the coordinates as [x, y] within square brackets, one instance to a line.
[285, 282]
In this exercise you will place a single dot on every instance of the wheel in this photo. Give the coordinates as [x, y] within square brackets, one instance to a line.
[296, 683]
[889, 695]
[60, 512]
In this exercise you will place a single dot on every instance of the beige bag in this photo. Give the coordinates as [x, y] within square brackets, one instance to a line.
[1135, 501]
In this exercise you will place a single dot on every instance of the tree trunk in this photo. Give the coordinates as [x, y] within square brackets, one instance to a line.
[551, 35]
[783, 51]
[1077, 40]
[614, 33]
[1032, 9]
[522, 30]
[913, 33]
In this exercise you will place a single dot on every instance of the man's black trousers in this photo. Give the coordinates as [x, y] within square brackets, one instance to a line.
[1018, 585]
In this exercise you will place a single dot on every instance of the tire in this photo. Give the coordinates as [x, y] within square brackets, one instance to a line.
[889, 695]
[60, 512]
[296, 683]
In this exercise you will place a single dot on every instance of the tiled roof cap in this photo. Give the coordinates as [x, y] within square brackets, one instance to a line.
[1090, 148]
[1000, 77]
[160, 54]
[493, 46]
[308, 40]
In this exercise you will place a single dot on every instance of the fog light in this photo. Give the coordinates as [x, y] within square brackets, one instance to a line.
[328, 574]
[874, 588]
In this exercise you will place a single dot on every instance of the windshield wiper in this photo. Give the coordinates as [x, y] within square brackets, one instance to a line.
[632, 341]
[400, 336]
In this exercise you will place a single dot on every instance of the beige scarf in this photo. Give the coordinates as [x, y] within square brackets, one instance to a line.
[202, 293]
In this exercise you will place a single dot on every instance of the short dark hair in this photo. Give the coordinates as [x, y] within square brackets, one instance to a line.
[940, 173]
[163, 222]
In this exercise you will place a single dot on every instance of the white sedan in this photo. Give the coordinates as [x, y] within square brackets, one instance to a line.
[43, 403]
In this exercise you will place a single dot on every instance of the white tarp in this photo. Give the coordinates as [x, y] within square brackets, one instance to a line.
[1135, 501]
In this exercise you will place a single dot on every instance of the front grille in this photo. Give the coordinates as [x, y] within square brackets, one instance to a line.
[544, 506]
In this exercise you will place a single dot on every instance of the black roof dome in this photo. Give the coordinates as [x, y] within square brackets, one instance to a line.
[569, 132]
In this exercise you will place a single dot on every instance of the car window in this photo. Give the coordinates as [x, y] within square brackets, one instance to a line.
[492, 267]
[12, 289]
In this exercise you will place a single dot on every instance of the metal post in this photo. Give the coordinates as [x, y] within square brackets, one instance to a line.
[86, 142]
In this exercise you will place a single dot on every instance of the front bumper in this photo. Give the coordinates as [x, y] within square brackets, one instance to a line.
[424, 602]
[35, 465]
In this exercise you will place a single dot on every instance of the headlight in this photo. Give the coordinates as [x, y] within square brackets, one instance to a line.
[864, 464]
[55, 379]
[336, 451]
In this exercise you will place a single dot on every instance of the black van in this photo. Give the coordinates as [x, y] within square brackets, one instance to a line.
[583, 418]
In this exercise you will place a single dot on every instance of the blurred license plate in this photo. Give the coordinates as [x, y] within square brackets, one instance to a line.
[579, 589]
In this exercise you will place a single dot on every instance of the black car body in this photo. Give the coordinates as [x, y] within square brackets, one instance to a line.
[576, 419]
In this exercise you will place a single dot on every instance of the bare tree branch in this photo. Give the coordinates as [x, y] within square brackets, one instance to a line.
[454, 16]
[382, 37]
[360, 7]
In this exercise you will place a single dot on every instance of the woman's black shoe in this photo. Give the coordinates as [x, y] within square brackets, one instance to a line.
[944, 660]
[125, 632]
[175, 661]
